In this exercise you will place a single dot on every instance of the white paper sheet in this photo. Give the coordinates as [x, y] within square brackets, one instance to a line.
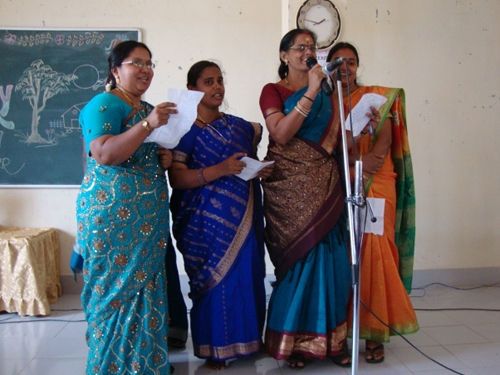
[252, 168]
[168, 136]
[358, 113]
[375, 210]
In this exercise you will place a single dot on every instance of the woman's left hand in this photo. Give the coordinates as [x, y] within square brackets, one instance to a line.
[165, 158]
[374, 116]
[266, 172]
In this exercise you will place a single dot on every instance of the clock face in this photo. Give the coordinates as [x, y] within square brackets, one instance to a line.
[322, 18]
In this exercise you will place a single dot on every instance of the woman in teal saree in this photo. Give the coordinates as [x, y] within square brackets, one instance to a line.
[122, 218]
[303, 206]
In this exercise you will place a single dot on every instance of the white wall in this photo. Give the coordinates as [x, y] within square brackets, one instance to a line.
[444, 53]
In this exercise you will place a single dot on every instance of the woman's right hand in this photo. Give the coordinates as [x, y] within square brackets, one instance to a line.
[315, 76]
[232, 165]
[160, 114]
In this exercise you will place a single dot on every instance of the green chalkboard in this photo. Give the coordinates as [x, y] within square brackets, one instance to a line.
[46, 77]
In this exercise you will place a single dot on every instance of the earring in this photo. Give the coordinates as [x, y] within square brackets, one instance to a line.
[286, 62]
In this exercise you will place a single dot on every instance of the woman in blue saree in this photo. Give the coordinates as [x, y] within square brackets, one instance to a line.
[122, 219]
[218, 226]
[303, 206]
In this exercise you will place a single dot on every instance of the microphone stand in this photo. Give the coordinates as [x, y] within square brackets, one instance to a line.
[355, 203]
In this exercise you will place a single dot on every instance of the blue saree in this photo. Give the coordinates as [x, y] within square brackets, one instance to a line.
[218, 229]
[122, 218]
[306, 236]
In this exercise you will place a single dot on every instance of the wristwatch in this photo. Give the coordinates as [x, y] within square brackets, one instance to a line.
[145, 125]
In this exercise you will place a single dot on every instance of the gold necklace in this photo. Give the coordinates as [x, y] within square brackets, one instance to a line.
[128, 99]
[199, 118]
[211, 127]
[202, 120]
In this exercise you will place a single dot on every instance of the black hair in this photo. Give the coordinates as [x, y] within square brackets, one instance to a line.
[119, 53]
[285, 44]
[343, 45]
[197, 69]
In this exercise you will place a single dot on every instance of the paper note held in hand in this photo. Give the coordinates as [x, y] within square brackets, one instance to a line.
[358, 113]
[252, 168]
[178, 124]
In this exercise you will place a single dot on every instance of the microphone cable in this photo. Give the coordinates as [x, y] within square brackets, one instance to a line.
[393, 330]
[424, 287]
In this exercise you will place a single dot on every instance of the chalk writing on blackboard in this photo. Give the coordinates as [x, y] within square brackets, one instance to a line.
[46, 78]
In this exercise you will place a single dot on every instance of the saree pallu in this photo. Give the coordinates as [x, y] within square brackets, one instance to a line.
[305, 236]
[122, 217]
[218, 228]
[387, 260]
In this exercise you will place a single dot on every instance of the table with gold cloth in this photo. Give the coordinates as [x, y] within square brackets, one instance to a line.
[29, 270]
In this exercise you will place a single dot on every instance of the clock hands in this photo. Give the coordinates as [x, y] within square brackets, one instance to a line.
[315, 22]
[322, 17]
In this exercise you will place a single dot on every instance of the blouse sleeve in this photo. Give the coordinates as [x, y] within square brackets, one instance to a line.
[270, 98]
[183, 150]
[103, 115]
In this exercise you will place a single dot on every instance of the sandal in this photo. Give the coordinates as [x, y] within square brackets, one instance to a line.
[343, 359]
[374, 352]
[297, 361]
[215, 364]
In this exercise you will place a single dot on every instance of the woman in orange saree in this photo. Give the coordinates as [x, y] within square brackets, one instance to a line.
[387, 259]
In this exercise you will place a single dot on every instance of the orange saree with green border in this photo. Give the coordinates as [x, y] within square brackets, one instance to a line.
[387, 260]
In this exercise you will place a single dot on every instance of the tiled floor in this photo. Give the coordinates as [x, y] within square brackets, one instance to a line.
[468, 341]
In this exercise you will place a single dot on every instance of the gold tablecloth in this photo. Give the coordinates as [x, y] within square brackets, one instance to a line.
[29, 270]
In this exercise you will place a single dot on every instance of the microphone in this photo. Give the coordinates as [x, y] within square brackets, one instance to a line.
[332, 65]
[325, 85]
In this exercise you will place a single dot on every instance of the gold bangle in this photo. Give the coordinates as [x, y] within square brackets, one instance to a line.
[301, 112]
[303, 109]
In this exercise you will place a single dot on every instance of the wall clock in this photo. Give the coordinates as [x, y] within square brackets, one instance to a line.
[322, 18]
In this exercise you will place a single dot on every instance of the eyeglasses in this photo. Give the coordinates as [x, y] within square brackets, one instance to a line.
[140, 64]
[303, 47]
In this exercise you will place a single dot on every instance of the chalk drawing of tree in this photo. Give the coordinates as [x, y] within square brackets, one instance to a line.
[38, 83]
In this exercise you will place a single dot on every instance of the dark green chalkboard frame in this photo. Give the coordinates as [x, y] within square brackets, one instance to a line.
[46, 77]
